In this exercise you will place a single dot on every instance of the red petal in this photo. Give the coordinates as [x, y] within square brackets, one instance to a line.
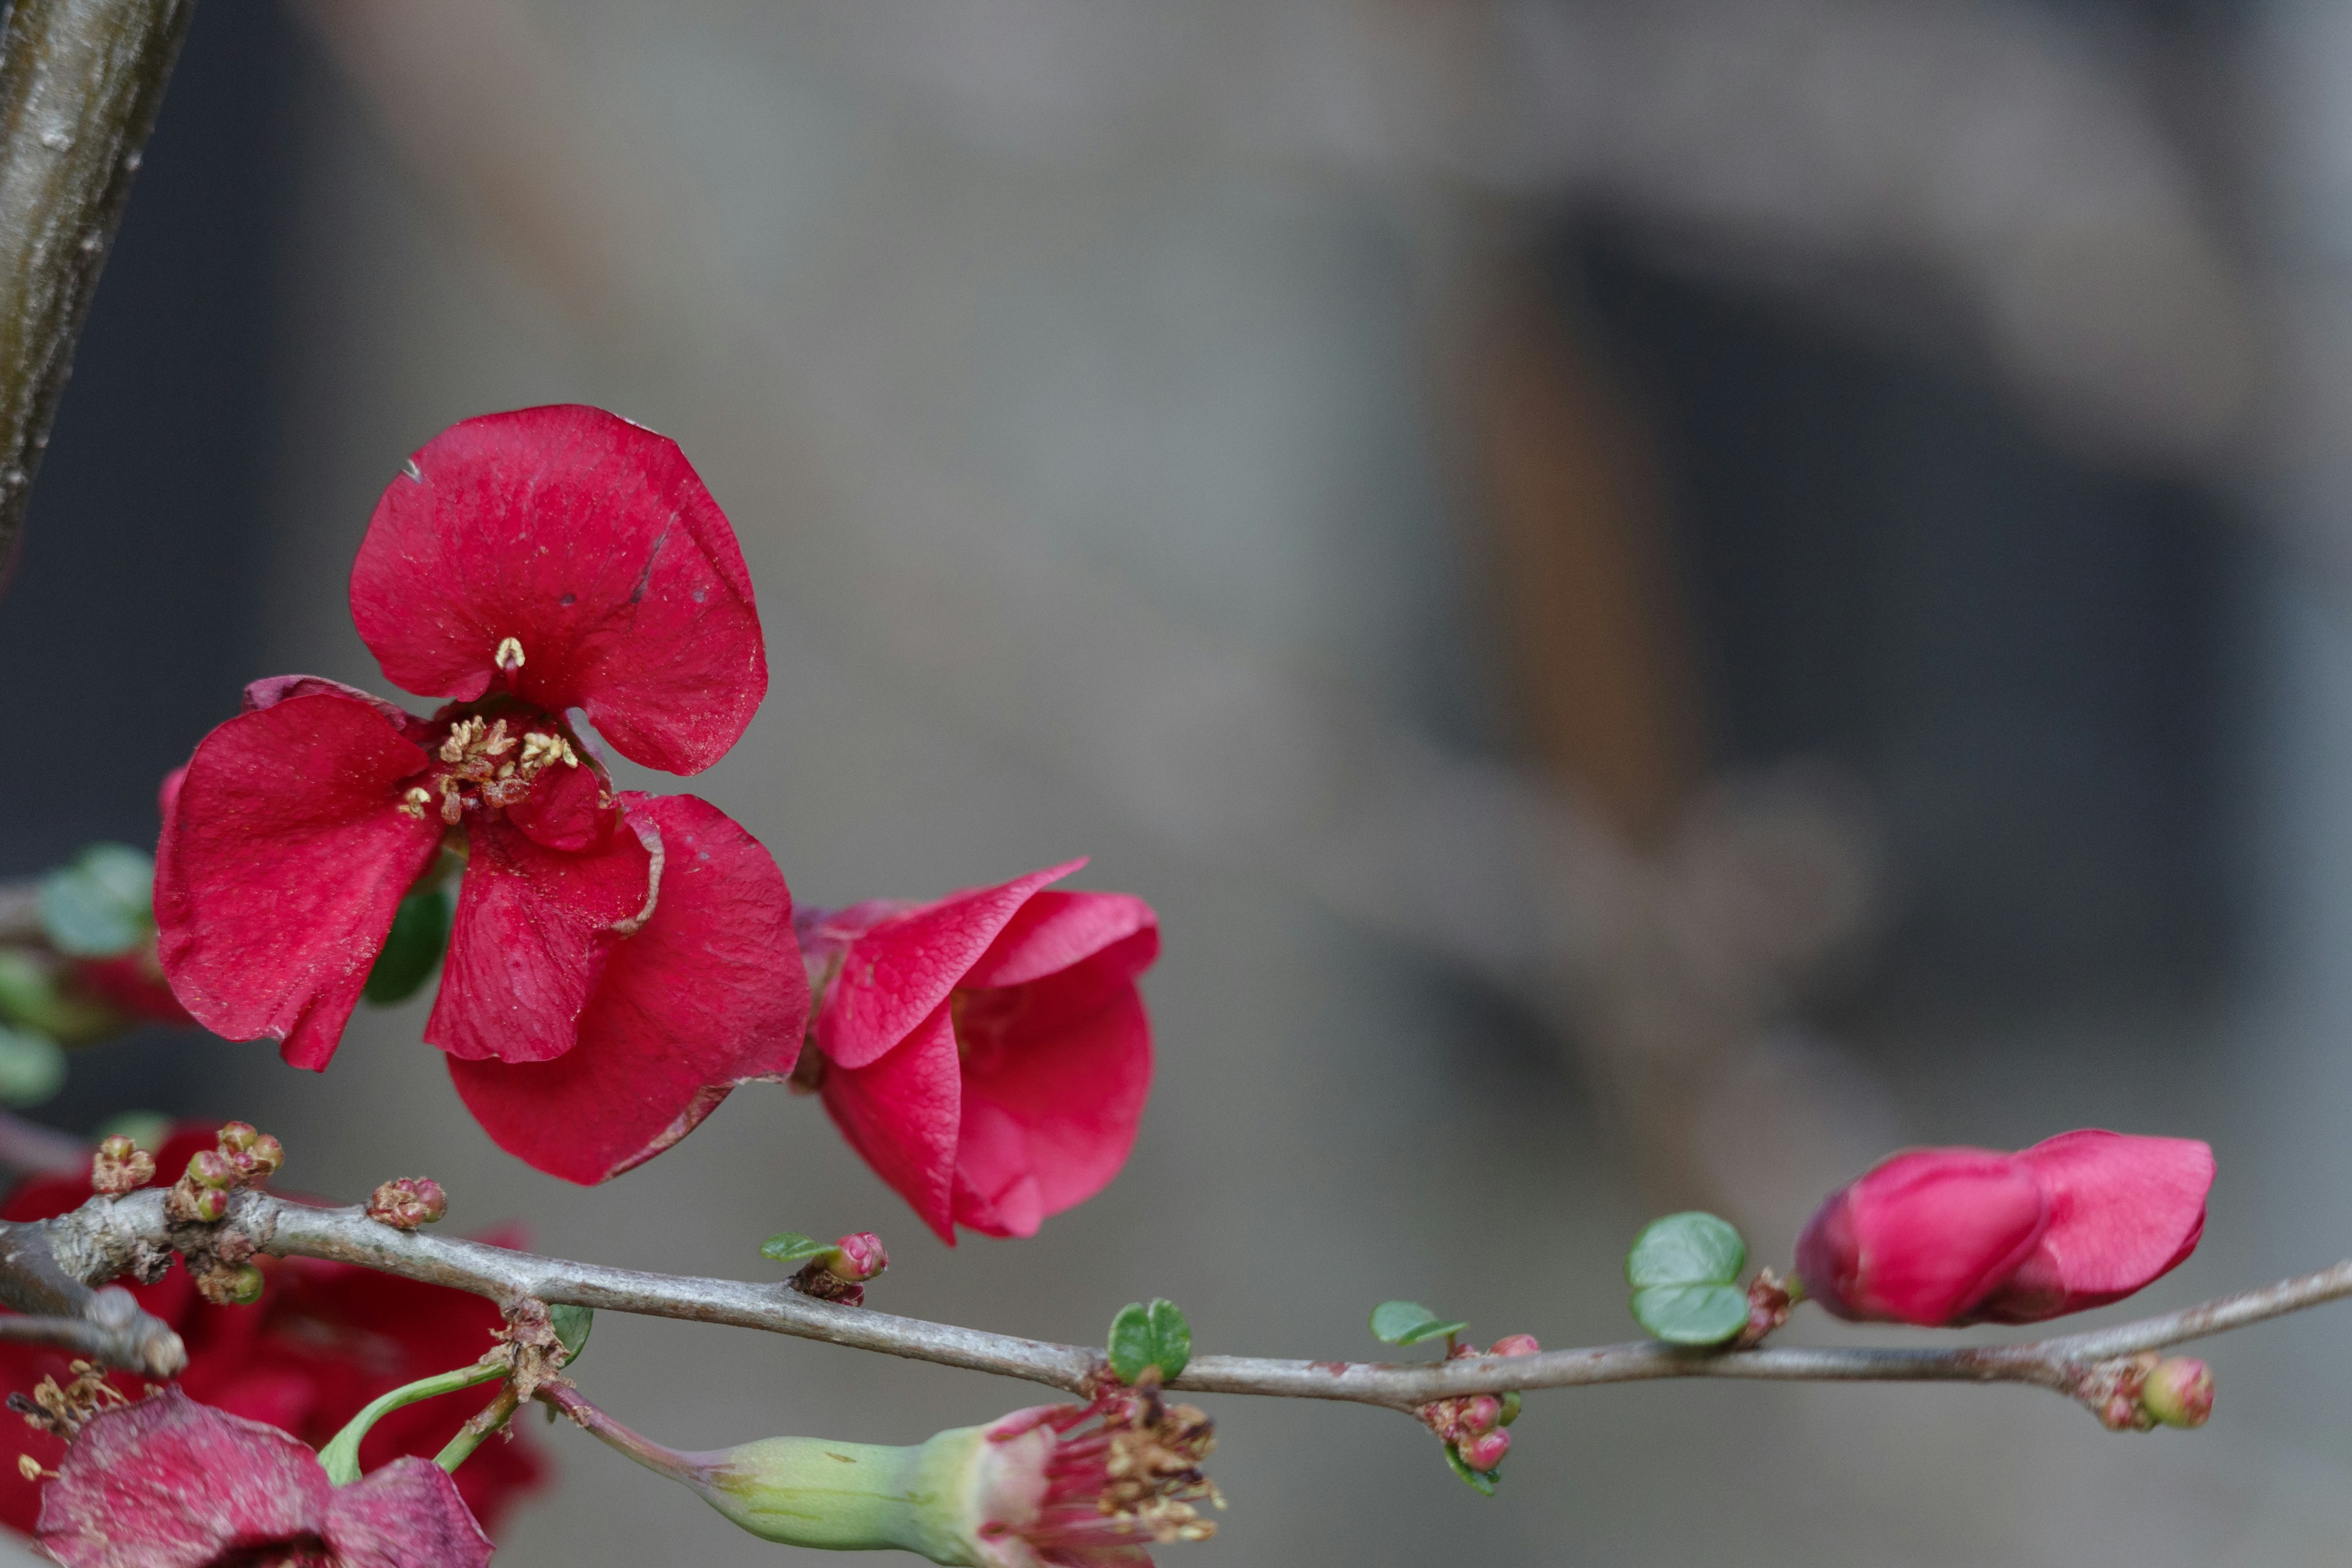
[895, 975]
[272, 690]
[2124, 1211]
[1054, 1104]
[282, 860]
[564, 809]
[405, 1515]
[902, 1113]
[1056, 930]
[533, 930]
[710, 995]
[1922, 1238]
[592, 543]
[169, 1483]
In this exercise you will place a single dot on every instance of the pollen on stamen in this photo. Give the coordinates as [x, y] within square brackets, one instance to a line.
[509, 656]
[415, 801]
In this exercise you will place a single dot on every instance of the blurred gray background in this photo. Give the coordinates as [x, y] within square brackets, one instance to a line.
[1665, 595]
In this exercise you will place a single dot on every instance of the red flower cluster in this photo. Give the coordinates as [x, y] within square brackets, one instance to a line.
[169, 1483]
[987, 1053]
[324, 1339]
[1940, 1237]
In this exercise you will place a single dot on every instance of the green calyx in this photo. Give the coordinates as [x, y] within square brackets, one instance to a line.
[931, 1498]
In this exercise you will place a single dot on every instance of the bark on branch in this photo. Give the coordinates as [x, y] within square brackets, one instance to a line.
[108, 1236]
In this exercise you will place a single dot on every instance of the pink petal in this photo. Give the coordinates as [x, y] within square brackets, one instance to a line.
[169, 1483]
[283, 856]
[901, 1112]
[1922, 1238]
[1071, 1077]
[406, 1514]
[564, 809]
[895, 975]
[2124, 1211]
[1056, 930]
[533, 930]
[593, 544]
[272, 690]
[710, 995]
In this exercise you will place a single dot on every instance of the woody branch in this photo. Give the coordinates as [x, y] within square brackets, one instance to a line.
[106, 1238]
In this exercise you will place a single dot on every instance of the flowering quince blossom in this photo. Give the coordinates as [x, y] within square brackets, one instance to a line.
[166, 1482]
[323, 1341]
[617, 961]
[987, 1053]
[1940, 1237]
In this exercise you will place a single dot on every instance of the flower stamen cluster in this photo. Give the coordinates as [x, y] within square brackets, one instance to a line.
[1134, 1476]
[64, 1410]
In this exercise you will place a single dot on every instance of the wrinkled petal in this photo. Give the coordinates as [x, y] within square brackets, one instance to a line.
[564, 809]
[896, 975]
[2124, 1211]
[406, 1515]
[169, 1483]
[272, 690]
[533, 930]
[284, 855]
[1922, 1238]
[592, 543]
[1050, 1117]
[901, 1113]
[710, 995]
[1055, 931]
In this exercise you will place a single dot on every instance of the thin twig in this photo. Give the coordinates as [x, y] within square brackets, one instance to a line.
[105, 1236]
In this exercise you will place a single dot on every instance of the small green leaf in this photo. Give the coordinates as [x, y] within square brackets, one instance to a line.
[1156, 1335]
[127, 874]
[1408, 1323]
[420, 930]
[792, 1246]
[1692, 1314]
[572, 1326]
[83, 917]
[1685, 1249]
[32, 1066]
[1479, 1481]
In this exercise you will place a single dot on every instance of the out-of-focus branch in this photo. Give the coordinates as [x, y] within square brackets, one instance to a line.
[80, 81]
[20, 912]
[107, 1236]
[60, 1308]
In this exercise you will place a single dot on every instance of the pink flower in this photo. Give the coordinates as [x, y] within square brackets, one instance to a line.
[987, 1053]
[613, 966]
[169, 1483]
[1941, 1237]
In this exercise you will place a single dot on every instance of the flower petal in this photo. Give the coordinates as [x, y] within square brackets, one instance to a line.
[901, 1112]
[593, 544]
[710, 995]
[272, 690]
[1072, 1076]
[898, 973]
[2124, 1211]
[564, 809]
[406, 1515]
[1922, 1238]
[284, 855]
[169, 1483]
[1056, 930]
[533, 934]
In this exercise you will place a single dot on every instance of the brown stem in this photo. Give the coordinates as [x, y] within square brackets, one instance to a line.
[80, 81]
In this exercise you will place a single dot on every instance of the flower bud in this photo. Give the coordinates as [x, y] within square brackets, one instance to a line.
[1516, 1344]
[260, 1162]
[858, 1257]
[208, 1168]
[407, 1202]
[120, 1166]
[1480, 1413]
[237, 1137]
[1485, 1451]
[208, 1205]
[238, 1287]
[2179, 1392]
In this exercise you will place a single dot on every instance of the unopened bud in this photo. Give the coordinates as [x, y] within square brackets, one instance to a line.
[1516, 1344]
[1485, 1451]
[407, 1202]
[120, 1166]
[857, 1259]
[237, 1137]
[1481, 1413]
[208, 1168]
[260, 1162]
[2179, 1392]
[206, 1204]
[241, 1287]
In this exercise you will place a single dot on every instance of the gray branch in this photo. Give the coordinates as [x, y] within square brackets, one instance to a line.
[108, 1236]
[80, 81]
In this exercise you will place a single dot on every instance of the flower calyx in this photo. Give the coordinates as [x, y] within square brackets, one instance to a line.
[119, 1166]
[407, 1203]
[1772, 1297]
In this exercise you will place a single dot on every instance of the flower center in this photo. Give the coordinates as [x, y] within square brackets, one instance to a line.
[1133, 1479]
[488, 762]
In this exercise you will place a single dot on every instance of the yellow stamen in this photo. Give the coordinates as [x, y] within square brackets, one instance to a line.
[509, 654]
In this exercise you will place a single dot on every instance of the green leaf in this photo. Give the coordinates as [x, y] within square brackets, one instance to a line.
[1479, 1481]
[420, 930]
[85, 917]
[792, 1246]
[573, 1325]
[32, 1066]
[151, 1130]
[127, 874]
[1685, 1249]
[1408, 1323]
[1156, 1335]
[1691, 1314]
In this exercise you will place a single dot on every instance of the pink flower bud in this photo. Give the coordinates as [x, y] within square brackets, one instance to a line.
[208, 1205]
[120, 1166]
[237, 1137]
[1485, 1450]
[259, 1160]
[407, 1202]
[1481, 1413]
[1944, 1237]
[2179, 1392]
[1516, 1344]
[207, 1168]
[857, 1259]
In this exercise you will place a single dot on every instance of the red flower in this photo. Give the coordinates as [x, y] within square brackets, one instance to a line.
[988, 1054]
[324, 1339]
[169, 1483]
[1941, 1237]
[612, 966]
